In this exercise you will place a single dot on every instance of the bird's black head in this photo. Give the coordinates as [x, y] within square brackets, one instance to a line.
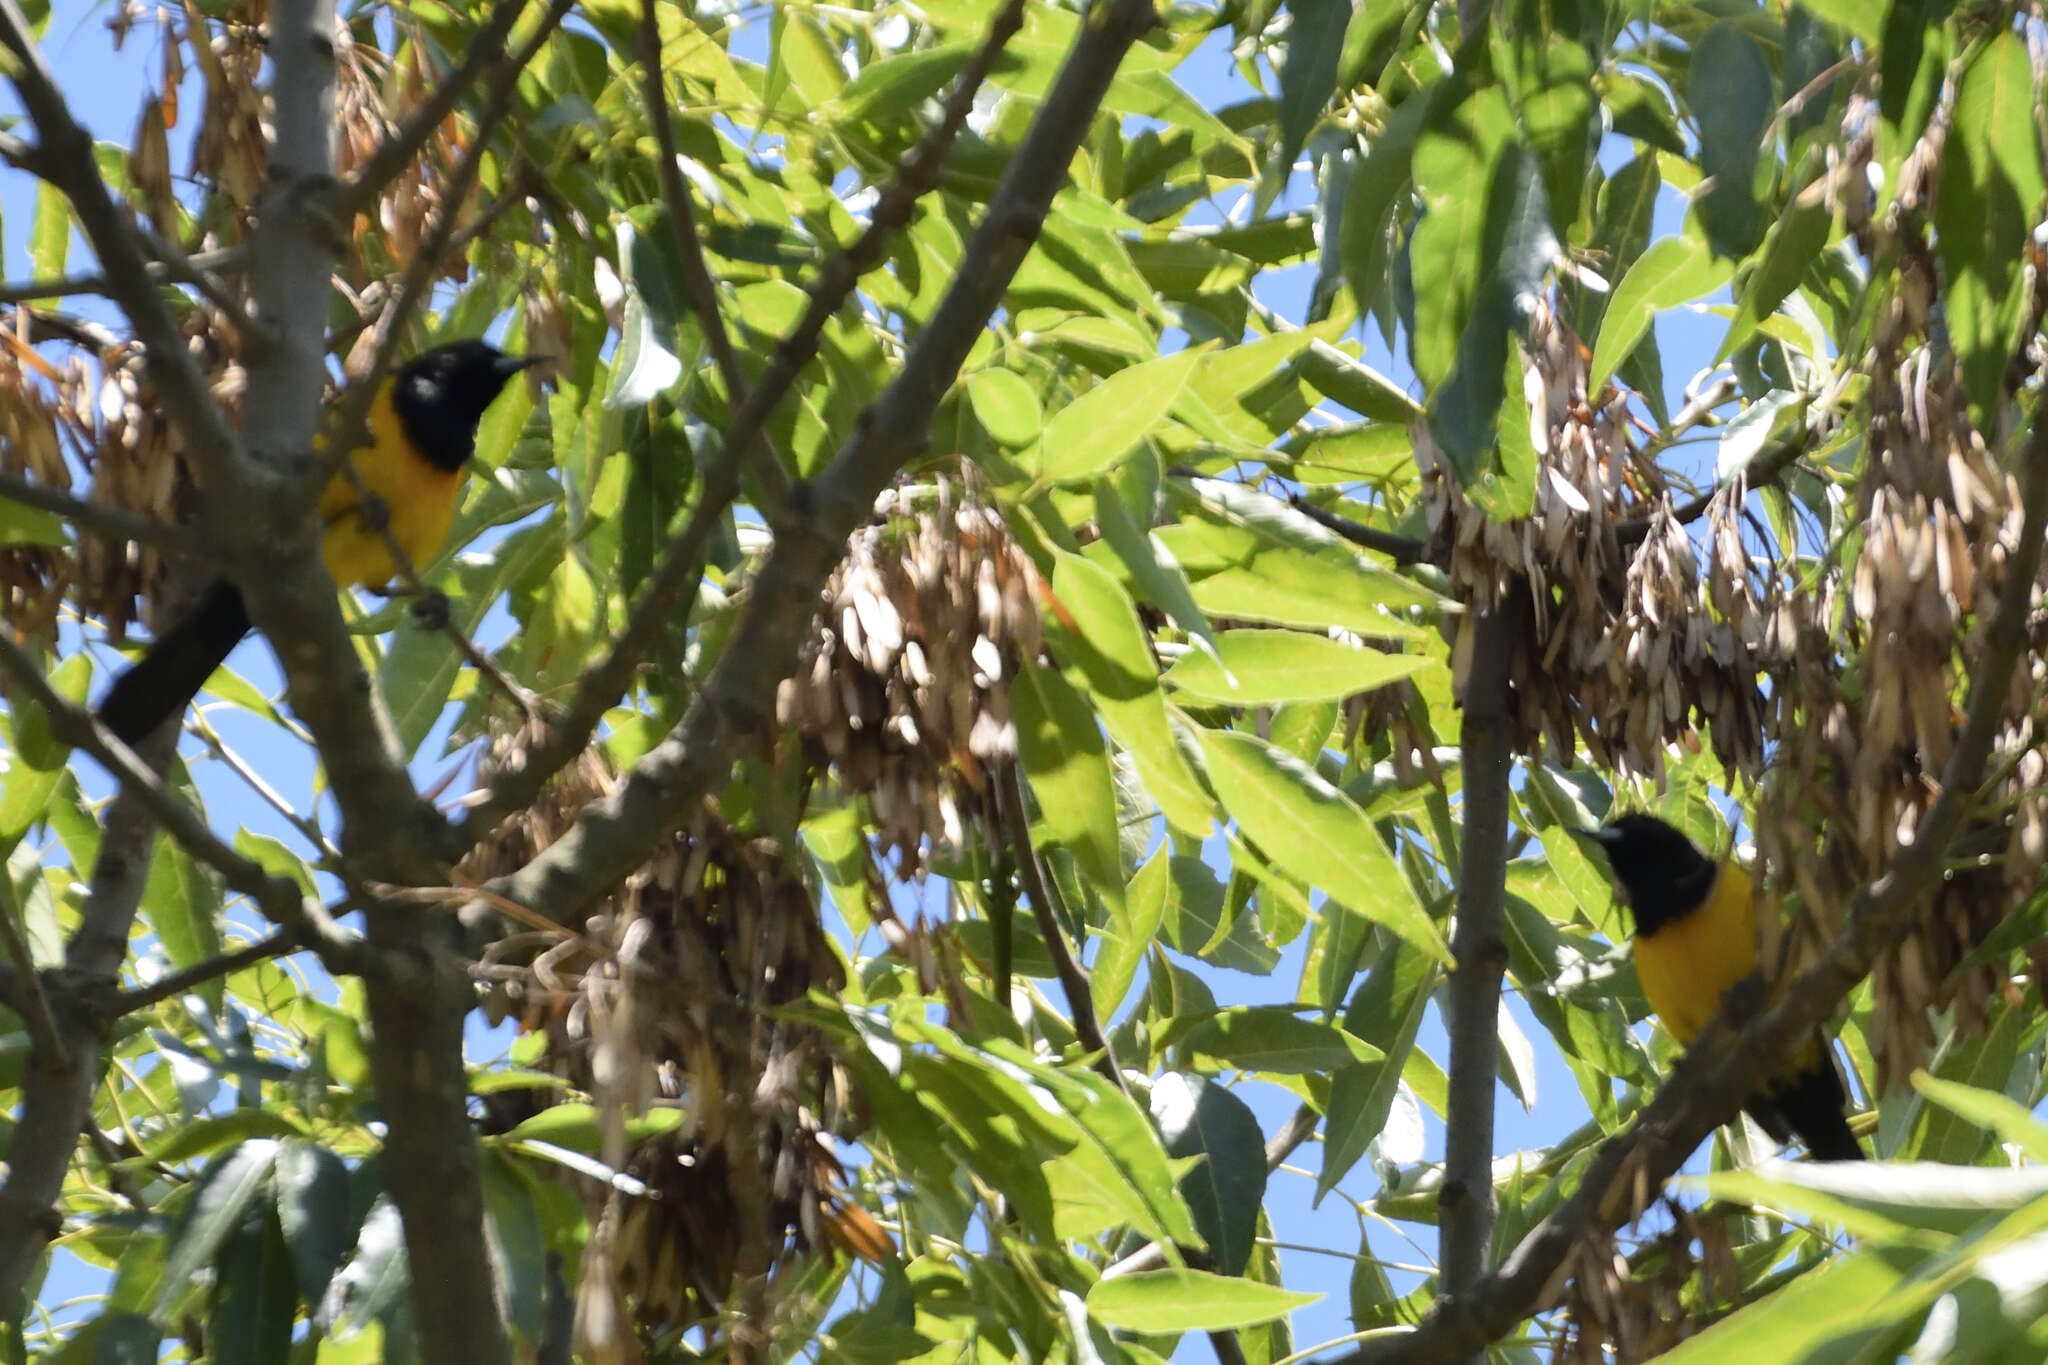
[1662, 873]
[441, 395]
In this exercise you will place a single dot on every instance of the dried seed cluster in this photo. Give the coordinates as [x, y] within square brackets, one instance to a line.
[1625, 652]
[904, 683]
[674, 998]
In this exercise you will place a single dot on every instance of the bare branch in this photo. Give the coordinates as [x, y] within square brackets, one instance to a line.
[178, 982]
[106, 520]
[1717, 1075]
[601, 685]
[278, 898]
[398, 149]
[1010, 800]
[1403, 550]
[1465, 1204]
[63, 156]
[64, 286]
[767, 464]
[34, 1002]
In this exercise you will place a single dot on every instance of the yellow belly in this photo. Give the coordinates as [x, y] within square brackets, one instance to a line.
[419, 503]
[1685, 968]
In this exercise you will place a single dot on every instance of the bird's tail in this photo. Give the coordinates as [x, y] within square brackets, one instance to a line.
[1812, 1104]
[177, 665]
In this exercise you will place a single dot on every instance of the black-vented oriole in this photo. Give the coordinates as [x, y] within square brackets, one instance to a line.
[422, 432]
[1696, 937]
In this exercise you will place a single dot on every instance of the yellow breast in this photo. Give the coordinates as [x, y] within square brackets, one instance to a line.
[419, 500]
[1687, 966]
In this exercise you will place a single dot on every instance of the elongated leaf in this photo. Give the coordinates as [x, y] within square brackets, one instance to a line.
[1287, 665]
[1673, 271]
[1189, 1301]
[1068, 764]
[226, 1190]
[1319, 833]
[312, 1192]
[1199, 1118]
[1273, 1038]
[1795, 240]
[1731, 94]
[1099, 428]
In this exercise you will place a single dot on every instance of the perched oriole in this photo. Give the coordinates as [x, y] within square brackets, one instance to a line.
[422, 432]
[1696, 937]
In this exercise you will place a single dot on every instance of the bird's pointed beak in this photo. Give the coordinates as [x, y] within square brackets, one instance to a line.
[509, 365]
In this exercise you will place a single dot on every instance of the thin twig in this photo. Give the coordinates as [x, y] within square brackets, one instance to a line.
[66, 286]
[178, 982]
[37, 1015]
[308, 829]
[703, 290]
[106, 520]
[63, 156]
[1403, 550]
[278, 898]
[182, 269]
[1073, 980]
[404, 142]
[352, 414]
[601, 685]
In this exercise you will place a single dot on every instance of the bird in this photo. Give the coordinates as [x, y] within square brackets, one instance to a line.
[422, 427]
[1696, 937]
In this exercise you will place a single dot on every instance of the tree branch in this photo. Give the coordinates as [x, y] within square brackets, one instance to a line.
[178, 982]
[64, 286]
[703, 291]
[56, 1101]
[33, 1001]
[736, 703]
[403, 143]
[1010, 800]
[1717, 1075]
[278, 898]
[63, 156]
[106, 520]
[1465, 1204]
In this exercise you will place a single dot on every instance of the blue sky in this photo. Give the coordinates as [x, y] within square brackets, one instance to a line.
[78, 49]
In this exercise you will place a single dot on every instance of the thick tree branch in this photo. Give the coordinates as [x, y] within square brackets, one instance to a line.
[56, 1099]
[64, 286]
[601, 685]
[736, 703]
[1465, 1204]
[1722, 1068]
[32, 1002]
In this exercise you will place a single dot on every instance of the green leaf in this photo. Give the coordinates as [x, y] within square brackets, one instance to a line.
[1319, 834]
[1373, 198]
[1990, 198]
[1122, 944]
[312, 1194]
[124, 1339]
[1199, 1118]
[1270, 666]
[1272, 1038]
[1386, 1010]
[371, 1284]
[1150, 562]
[1457, 159]
[49, 235]
[1099, 632]
[183, 901]
[1063, 753]
[1675, 270]
[1794, 242]
[24, 525]
[253, 1301]
[1730, 91]
[1007, 408]
[1189, 1301]
[1831, 1302]
[224, 1193]
[1308, 77]
[1990, 1110]
[1100, 427]
[1554, 102]
[1861, 18]
[216, 1132]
